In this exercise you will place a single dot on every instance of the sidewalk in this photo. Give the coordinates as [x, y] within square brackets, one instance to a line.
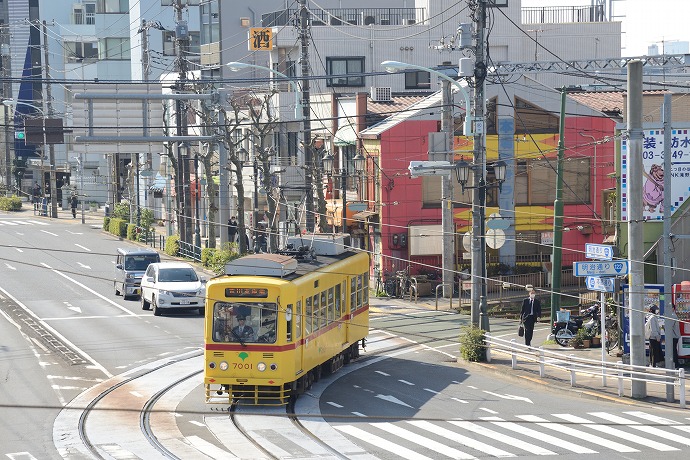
[527, 369]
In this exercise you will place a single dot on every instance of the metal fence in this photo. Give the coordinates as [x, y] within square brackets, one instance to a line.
[190, 251]
[590, 371]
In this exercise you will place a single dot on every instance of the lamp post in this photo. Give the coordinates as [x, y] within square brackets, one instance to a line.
[197, 227]
[462, 171]
[359, 161]
[447, 224]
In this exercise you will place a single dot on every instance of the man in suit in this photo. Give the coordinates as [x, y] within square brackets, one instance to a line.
[530, 313]
[242, 331]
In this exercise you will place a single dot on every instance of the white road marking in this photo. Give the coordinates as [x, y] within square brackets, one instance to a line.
[406, 382]
[208, 449]
[483, 430]
[382, 373]
[334, 404]
[194, 422]
[358, 414]
[384, 444]
[83, 266]
[49, 233]
[10, 266]
[422, 441]
[578, 434]
[460, 439]
[136, 394]
[82, 247]
[553, 440]
[650, 430]
[38, 222]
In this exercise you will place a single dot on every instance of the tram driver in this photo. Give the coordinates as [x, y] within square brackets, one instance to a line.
[242, 331]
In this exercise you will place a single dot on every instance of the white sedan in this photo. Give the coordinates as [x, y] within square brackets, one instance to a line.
[168, 285]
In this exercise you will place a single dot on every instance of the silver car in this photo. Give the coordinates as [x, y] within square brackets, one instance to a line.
[172, 285]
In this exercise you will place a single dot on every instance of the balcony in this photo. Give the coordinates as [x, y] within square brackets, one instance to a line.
[349, 16]
[563, 14]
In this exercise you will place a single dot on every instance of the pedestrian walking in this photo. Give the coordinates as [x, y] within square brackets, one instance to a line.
[73, 204]
[530, 314]
[232, 229]
[652, 332]
[35, 194]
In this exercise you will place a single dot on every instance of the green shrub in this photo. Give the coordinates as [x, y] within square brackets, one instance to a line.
[121, 211]
[106, 223]
[12, 203]
[472, 344]
[221, 257]
[172, 245]
[207, 256]
[132, 232]
[118, 227]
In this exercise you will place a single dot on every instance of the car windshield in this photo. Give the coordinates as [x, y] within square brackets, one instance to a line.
[140, 262]
[180, 275]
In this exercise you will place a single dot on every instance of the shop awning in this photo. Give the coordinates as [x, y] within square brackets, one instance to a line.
[346, 135]
[364, 215]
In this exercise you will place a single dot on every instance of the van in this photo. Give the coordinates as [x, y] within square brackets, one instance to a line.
[129, 269]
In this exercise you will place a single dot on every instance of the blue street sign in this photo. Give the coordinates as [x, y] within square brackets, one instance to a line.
[601, 268]
[596, 283]
[599, 251]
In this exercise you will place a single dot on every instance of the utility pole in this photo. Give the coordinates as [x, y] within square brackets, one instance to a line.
[49, 114]
[557, 251]
[182, 173]
[309, 163]
[635, 225]
[669, 312]
[478, 312]
[447, 224]
[6, 94]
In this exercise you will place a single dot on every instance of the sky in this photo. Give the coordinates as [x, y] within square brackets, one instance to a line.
[645, 22]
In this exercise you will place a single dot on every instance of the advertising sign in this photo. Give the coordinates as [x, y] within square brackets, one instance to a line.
[653, 171]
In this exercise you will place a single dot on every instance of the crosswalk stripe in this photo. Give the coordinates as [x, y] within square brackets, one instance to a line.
[381, 443]
[496, 436]
[460, 439]
[651, 418]
[650, 430]
[22, 222]
[541, 436]
[38, 222]
[645, 441]
[578, 434]
[7, 222]
[422, 441]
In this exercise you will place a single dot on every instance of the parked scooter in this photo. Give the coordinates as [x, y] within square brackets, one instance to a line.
[563, 331]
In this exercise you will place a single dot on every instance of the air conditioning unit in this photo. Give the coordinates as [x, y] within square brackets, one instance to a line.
[380, 93]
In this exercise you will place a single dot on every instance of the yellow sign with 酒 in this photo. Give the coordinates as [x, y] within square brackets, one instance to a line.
[260, 38]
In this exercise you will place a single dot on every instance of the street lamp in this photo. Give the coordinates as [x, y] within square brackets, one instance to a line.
[463, 169]
[237, 66]
[359, 161]
[447, 224]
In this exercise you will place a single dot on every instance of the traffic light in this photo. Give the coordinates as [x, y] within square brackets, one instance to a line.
[20, 135]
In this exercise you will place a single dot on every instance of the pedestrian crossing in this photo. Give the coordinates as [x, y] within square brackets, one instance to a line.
[20, 223]
[591, 433]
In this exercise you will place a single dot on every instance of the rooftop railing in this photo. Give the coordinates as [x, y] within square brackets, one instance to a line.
[563, 14]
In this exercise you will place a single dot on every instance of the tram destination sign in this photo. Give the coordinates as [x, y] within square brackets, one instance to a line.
[600, 268]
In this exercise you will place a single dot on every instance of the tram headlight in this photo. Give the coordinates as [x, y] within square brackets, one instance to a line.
[261, 367]
[212, 365]
[274, 366]
[223, 366]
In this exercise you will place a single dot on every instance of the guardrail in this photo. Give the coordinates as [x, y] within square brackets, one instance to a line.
[573, 365]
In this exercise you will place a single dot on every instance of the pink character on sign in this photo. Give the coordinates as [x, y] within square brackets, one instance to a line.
[653, 192]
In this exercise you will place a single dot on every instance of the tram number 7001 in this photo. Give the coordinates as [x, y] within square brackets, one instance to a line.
[242, 366]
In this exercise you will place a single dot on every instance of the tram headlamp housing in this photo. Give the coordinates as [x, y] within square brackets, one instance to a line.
[261, 367]
[223, 366]
[212, 365]
[274, 366]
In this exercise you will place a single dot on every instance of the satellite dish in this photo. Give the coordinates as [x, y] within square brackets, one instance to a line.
[495, 238]
[467, 241]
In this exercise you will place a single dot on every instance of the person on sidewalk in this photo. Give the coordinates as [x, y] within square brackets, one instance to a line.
[232, 229]
[652, 332]
[530, 314]
[73, 204]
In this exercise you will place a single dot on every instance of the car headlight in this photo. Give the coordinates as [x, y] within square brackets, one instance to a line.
[223, 366]
[130, 276]
[166, 293]
[200, 292]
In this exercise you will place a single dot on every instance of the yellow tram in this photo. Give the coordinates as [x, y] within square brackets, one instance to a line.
[275, 322]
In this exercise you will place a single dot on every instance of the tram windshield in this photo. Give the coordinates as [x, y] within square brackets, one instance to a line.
[245, 322]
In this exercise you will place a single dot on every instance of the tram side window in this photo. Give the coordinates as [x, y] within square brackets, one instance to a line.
[365, 288]
[331, 306]
[337, 301]
[353, 293]
[307, 316]
[324, 309]
[298, 320]
[288, 322]
[317, 312]
[359, 291]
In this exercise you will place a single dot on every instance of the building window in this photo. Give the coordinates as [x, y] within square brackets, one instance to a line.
[342, 68]
[114, 48]
[84, 14]
[113, 6]
[78, 52]
[417, 80]
[535, 182]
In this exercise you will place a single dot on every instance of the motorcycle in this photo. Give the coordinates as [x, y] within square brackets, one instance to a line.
[589, 319]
